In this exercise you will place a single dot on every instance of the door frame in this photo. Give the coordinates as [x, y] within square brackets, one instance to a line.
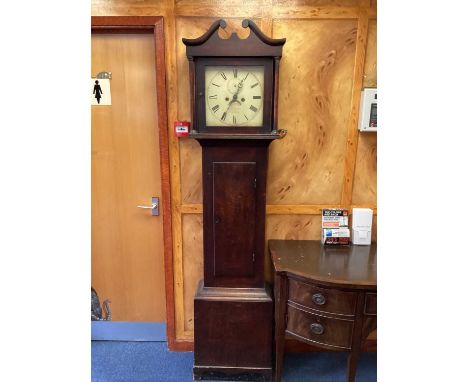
[154, 25]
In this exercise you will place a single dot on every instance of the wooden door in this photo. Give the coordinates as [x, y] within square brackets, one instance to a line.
[127, 242]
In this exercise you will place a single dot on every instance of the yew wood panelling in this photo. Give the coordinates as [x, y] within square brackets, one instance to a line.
[129, 7]
[309, 9]
[365, 176]
[317, 3]
[191, 181]
[314, 104]
[193, 263]
[190, 150]
[293, 227]
[370, 66]
[222, 8]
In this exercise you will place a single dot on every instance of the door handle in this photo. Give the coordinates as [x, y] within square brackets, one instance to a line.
[154, 206]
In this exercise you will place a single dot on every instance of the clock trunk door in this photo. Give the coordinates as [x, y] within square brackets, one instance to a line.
[234, 187]
[234, 218]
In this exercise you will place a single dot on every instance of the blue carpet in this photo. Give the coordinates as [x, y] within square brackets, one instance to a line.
[114, 361]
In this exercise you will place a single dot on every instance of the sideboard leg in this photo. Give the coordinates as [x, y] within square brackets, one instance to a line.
[352, 365]
[357, 338]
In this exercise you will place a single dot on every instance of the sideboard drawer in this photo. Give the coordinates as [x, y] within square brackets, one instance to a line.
[322, 330]
[322, 299]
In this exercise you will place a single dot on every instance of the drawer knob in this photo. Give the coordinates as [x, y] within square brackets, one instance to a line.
[319, 299]
[317, 328]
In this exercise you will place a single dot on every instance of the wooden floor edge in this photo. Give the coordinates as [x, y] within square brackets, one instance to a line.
[181, 346]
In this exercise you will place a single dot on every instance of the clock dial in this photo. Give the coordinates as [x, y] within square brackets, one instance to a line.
[234, 95]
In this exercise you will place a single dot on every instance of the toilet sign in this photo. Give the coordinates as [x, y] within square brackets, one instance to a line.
[100, 92]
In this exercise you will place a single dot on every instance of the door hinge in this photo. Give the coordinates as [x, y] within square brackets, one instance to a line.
[255, 183]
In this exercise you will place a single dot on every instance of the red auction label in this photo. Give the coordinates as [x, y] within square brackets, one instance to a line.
[181, 128]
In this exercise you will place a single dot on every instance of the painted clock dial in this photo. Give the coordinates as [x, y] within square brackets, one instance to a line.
[234, 95]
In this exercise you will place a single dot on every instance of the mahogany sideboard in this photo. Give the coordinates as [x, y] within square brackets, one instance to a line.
[325, 296]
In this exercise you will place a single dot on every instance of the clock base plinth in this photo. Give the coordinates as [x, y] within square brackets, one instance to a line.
[233, 334]
[232, 374]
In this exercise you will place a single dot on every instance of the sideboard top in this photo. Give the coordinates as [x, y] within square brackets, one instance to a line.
[347, 265]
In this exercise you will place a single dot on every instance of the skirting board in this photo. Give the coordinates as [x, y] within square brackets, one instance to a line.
[128, 331]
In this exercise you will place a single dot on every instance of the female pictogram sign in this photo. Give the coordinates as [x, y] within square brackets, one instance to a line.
[97, 91]
[100, 92]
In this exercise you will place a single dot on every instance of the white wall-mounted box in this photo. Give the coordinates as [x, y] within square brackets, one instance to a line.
[361, 229]
[368, 110]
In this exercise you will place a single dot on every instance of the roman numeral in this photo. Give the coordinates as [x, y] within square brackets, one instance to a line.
[233, 119]
[253, 108]
[246, 117]
[223, 75]
[215, 108]
[257, 97]
[224, 116]
[215, 96]
[235, 73]
[215, 84]
[254, 85]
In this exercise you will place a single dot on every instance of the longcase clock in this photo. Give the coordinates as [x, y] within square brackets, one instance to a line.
[234, 93]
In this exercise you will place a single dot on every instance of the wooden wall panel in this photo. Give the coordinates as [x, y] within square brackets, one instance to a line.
[365, 177]
[370, 66]
[193, 263]
[293, 227]
[128, 8]
[190, 150]
[316, 71]
[221, 8]
[317, 3]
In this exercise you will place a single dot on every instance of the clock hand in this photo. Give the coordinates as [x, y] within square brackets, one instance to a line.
[239, 87]
[234, 97]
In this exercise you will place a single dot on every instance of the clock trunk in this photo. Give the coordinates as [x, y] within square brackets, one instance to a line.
[233, 308]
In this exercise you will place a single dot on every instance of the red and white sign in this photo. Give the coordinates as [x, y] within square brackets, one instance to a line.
[181, 128]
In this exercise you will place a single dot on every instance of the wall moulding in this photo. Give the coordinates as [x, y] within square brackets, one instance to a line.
[282, 209]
